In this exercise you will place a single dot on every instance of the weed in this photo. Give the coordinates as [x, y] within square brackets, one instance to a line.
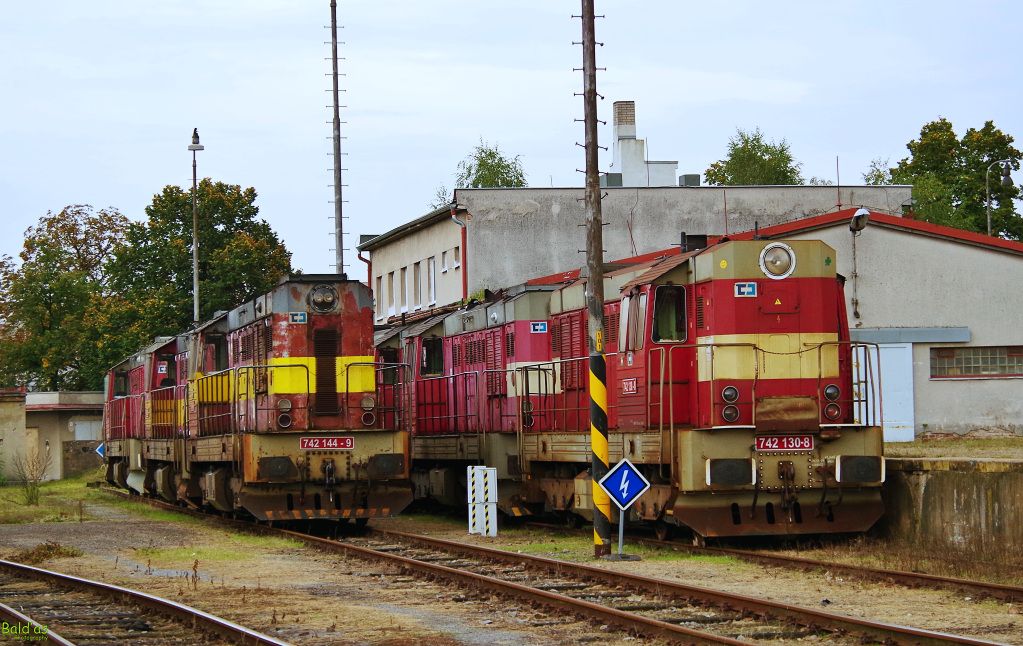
[45, 552]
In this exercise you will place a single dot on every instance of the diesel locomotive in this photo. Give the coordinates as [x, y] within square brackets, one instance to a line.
[273, 409]
[732, 384]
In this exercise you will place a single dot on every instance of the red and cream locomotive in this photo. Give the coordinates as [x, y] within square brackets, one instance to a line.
[732, 384]
[272, 409]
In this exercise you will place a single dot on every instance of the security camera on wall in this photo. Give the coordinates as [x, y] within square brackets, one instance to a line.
[859, 220]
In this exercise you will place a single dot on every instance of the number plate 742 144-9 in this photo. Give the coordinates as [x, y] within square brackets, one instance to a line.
[319, 443]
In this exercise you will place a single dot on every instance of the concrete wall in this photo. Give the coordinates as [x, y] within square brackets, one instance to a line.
[970, 505]
[79, 457]
[438, 241]
[14, 438]
[910, 280]
[515, 234]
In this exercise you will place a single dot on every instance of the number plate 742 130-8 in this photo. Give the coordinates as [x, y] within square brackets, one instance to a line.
[784, 442]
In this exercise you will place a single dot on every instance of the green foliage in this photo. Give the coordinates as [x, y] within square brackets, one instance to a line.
[949, 177]
[239, 255]
[752, 160]
[49, 304]
[878, 173]
[487, 167]
[93, 287]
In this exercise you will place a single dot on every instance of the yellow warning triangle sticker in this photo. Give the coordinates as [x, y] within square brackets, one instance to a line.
[777, 301]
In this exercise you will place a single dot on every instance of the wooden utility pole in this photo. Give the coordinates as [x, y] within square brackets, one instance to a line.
[595, 291]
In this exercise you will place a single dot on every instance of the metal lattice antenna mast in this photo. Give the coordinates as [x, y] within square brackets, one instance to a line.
[339, 242]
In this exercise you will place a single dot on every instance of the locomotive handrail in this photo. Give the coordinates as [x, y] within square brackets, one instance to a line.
[468, 415]
[672, 347]
[203, 387]
[159, 418]
[238, 370]
[386, 365]
[556, 381]
[870, 416]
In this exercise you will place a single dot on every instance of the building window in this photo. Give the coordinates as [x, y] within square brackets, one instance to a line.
[990, 362]
[458, 259]
[431, 279]
[390, 293]
[404, 289]
[443, 262]
[417, 286]
[378, 297]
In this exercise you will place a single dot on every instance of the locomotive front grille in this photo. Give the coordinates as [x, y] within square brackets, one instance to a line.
[325, 342]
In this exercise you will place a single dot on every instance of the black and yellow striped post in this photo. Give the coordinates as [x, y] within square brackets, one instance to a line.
[595, 291]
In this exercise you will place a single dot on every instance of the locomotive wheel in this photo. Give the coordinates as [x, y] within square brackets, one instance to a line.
[571, 521]
[698, 540]
[663, 531]
[361, 523]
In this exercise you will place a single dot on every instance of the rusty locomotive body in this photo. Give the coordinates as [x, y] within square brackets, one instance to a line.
[273, 409]
[732, 384]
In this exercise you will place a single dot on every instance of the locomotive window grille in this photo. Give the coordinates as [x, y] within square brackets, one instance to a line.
[456, 355]
[494, 354]
[262, 355]
[611, 323]
[573, 344]
[325, 347]
[509, 344]
[556, 338]
[984, 362]
[669, 321]
[699, 312]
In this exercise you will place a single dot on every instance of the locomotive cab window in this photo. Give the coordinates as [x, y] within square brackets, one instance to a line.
[633, 317]
[669, 323]
[389, 374]
[433, 357]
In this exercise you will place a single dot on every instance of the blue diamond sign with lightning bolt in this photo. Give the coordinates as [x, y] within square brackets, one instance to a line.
[624, 484]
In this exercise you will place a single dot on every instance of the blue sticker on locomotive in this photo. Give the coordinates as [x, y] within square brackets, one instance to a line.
[297, 317]
[745, 290]
[537, 327]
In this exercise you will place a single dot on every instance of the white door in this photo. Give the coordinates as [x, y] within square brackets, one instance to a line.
[897, 391]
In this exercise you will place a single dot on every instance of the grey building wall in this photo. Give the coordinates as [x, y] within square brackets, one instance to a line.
[910, 280]
[516, 234]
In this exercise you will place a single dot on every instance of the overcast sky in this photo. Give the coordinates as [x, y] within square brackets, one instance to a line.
[100, 97]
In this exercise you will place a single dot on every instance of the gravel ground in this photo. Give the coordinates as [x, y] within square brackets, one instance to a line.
[309, 597]
[293, 592]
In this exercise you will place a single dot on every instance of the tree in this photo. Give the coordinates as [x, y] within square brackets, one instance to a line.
[239, 256]
[752, 160]
[948, 177]
[48, 304]
[878, 173]
[487, 167]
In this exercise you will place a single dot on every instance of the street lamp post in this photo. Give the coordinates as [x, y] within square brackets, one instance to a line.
[195, 147]
[1006, 181]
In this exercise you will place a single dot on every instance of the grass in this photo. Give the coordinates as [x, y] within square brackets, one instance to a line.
[219, 547]
[958, 447]
[59, 501]
[44, 552]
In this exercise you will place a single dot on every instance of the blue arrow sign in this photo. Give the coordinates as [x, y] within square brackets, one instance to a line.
[624, 484]
[102, 450]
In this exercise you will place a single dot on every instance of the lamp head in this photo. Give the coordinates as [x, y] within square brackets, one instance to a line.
[1006, 178]
[859, 220]
[195, 141]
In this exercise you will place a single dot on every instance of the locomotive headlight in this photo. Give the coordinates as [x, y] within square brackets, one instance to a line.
[368, 402]
[831, 391]
[730, 394]
[730, 413]
[322, 298]
[832, 411]
[777, 260]
[284, 405]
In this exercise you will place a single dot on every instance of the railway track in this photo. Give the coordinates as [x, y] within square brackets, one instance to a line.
[55, 608]
[641, 605]
[901, 577]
